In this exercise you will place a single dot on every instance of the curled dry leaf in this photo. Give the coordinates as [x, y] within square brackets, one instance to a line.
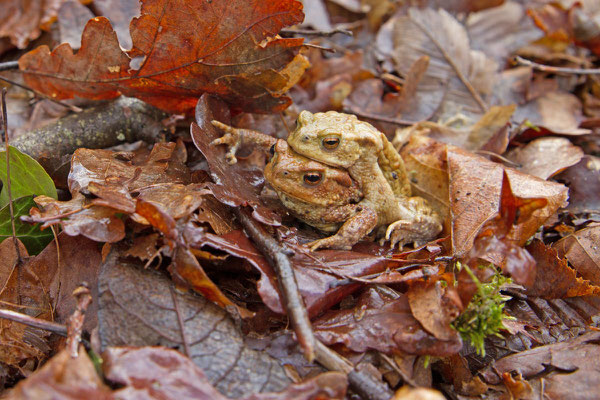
[546, 156]
[165, 374]
[177, 55]
[458, 78]
[555, 279]
[382, 320]
[140, 307]
[582, 250]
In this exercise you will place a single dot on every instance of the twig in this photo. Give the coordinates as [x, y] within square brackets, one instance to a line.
[25, 319]
[312, 32]
[83, 297]
[43, 96]
[292, 300]
[555, 70]
[9, 65]
[8, 180]
[363, 383]
[376, 117]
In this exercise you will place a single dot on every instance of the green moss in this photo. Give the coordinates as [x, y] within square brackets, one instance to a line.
[484, 315]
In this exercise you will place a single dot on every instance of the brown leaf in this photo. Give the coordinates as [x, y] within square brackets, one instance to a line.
[63, 377]
[142, 307]
[546, 156]
[432, 307]
[457, 79]
[22, 21]
[162, 373]
[583, 180]
[556, 112]
[568, 369]
[581, 249]
[177, 55]
[475, 189]
[316, 274]
[381, 320]
[235, 185]
[555, 279]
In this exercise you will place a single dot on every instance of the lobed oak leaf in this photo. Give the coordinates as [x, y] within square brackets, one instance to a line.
[180, 50]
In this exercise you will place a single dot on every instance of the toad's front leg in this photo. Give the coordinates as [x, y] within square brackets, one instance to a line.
[235, 137]
[354, 229]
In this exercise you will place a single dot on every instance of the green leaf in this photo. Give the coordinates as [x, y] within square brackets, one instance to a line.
[34, 239]
[26, 175]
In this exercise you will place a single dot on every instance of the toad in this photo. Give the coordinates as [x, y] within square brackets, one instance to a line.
[408, 219]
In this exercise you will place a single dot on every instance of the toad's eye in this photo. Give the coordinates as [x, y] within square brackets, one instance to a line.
[331, 142]
[272, 150]
[312, 178]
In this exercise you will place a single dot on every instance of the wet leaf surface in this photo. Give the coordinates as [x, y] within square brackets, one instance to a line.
[143, 308]
[382, 320]
[530, 158]
[232, 63]
[161, 373]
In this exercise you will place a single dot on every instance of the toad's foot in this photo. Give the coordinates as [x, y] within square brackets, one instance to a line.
[232, 138]
[420, 225]
[353, 230]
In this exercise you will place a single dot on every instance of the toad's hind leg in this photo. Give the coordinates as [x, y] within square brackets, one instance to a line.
[353, 230]
[419, 224]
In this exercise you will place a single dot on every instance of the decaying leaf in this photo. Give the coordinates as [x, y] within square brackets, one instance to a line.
[165, 374]
[238, 59]
[458, 78]
[581, 249]
[583, 180]
[382, 320]
[140, 307]
[568, 369]
[555, 278]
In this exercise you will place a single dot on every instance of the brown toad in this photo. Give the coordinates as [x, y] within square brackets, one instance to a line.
[359, 149]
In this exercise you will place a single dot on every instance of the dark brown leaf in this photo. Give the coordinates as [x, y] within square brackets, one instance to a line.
[431, 305]
[382, 320]
[177, 55]
[161, 373]
[555, 279]
[581, 249]
[235, 185]
[142, 307]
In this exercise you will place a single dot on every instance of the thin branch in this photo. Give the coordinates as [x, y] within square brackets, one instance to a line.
[363, 383]
[43, 96]
[375, 117]
[312, 32]
[8, 180]
[555, 70]
[25, 319]
[9, 65]
[292, 299]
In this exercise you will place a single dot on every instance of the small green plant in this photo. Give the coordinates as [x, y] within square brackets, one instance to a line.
[484, 315]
